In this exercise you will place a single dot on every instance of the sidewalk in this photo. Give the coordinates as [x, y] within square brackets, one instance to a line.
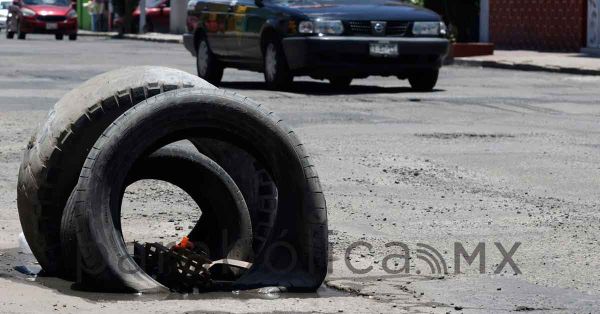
[156, 37]
[573, 63]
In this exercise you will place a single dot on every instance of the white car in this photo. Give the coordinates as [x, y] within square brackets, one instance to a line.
[4, 12]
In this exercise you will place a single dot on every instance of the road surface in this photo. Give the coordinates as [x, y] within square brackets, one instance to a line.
[492, 159]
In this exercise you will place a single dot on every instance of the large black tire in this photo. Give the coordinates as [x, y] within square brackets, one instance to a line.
[424, 81]
[55, 154]
[207, 65]
[276, 70]
[58, 36]
[72, 36]
[9, 34]
[296, 253]
[224, 211]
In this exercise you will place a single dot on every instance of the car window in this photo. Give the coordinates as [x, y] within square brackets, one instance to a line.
[4, 5]
[48, 2]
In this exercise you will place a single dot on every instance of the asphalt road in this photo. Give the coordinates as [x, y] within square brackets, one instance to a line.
[491, 156]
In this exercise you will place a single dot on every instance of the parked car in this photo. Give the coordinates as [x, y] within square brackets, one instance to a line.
[157, 17]
[56, 17]
[4, 4]
[338, 40]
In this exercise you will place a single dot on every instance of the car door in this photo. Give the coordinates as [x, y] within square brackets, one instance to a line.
[248, 19]
[215, 21]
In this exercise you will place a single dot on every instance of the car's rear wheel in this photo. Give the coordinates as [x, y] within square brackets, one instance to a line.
[58, 36]
[277, 72]
[340, 82]
[20, 34]
[73, 37]
[424, 81]
[207, 65]
[9, 34]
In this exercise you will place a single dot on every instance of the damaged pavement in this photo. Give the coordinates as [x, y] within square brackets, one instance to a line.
[433, 175]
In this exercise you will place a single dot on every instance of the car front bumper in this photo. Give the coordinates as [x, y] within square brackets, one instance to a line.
[350, 56]
[40, 27]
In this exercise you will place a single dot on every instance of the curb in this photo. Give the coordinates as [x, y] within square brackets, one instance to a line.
[152, 37]
[524, 67]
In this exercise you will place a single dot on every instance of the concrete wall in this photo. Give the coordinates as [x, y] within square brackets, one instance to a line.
[547, 25]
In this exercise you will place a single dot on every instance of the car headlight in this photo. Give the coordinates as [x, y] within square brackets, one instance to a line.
[328, 27]
[27, 12]
[429, 28]
[443, 29]
[72, 14]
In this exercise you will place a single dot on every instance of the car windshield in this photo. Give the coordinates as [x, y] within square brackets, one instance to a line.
[62, 3]
[329, 2]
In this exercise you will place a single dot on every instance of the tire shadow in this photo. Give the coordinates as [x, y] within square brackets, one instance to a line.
[324, 89]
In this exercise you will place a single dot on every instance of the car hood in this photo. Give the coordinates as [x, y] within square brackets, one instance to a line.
[362, 10]
[49, 9]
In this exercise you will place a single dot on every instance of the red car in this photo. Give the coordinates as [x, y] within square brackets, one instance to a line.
[42, 17]
[157, 17]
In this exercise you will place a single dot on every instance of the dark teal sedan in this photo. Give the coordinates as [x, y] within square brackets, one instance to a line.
[337, 40]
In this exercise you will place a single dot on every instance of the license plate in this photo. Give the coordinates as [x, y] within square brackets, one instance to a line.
[51, 26]
[384, 49]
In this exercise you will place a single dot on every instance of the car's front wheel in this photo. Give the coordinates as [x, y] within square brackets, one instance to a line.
[277, 73]
[207, 65]
[58, 36]
[9, 34]
[424, 81]
[73, 37]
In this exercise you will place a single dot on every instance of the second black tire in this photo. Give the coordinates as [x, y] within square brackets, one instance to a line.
[295, 255]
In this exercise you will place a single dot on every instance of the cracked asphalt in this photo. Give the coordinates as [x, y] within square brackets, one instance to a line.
[491, 159]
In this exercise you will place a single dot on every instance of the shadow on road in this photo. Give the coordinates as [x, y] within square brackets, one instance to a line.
[324, 89]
